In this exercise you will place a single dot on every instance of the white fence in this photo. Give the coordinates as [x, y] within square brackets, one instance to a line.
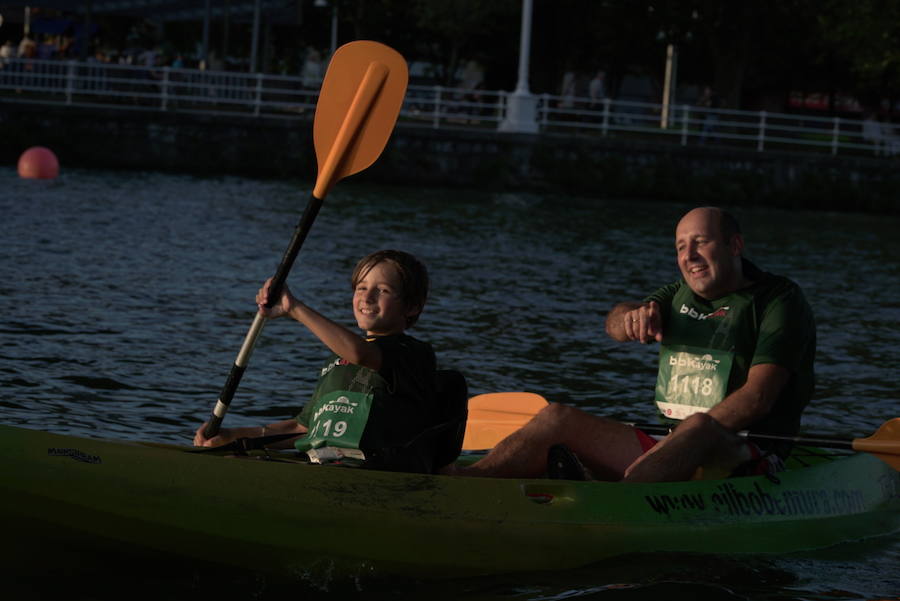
[190, 90]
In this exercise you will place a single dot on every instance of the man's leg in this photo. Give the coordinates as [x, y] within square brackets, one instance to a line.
[604, 446]
[699, 441]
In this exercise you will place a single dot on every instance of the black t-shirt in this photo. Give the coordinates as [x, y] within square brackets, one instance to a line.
[768, 322]
[403, 407]
[408, 367]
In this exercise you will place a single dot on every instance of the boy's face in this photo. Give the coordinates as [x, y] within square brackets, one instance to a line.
[378, 301]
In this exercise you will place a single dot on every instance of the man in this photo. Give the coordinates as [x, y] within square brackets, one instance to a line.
[737, 350]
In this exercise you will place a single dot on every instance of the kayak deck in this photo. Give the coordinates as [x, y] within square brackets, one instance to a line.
[288, 516]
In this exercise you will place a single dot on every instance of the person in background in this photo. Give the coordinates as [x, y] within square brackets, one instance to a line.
[597, 90]
[7, 51]
[709, 99]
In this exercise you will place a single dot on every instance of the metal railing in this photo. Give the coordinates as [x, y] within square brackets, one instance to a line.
[224, 92]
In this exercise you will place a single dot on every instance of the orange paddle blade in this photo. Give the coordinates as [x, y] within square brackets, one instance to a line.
[364, 87]
[884, 444]
[494, 416]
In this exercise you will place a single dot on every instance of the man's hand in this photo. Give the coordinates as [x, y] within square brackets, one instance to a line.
[635, 321]
[644, 324]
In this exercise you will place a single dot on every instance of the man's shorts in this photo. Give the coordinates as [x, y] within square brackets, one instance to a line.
[760, 463]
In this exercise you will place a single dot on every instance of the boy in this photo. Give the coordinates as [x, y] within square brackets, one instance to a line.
[376, 395]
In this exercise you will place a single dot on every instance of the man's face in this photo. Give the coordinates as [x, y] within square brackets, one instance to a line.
[706, 260]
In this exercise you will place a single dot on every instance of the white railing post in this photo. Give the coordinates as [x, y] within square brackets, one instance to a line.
[164, 90]
[835, 135]
[70, 80]
[258, 100]
[761, 137]
[685, 114]
[544, 109]
[436, 123]
[605, 128]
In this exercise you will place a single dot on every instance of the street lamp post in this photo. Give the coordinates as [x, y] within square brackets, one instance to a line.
[334, 21]
[670, 84]
[334, 24]
[254, 44]
[521, 112]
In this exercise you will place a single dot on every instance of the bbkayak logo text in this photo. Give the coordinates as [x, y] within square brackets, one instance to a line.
[692, 312]
[704, 363]
[340, 405]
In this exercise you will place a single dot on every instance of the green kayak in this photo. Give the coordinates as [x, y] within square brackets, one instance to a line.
[277, 513]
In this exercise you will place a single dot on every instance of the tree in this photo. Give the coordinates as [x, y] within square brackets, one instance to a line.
[864, 40]
[454, 31]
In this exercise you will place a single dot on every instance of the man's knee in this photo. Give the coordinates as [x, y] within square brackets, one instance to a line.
[702, 426]
[557, 415]
[556, 420]
[698, 421]
[709, 433]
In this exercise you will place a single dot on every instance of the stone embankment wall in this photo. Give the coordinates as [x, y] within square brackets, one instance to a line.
[584, 166]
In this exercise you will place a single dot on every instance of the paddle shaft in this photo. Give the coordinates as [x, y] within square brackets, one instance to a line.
[828, 443]
[243, 357]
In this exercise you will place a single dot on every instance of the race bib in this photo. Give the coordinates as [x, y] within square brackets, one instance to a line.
[691, 380]
[338, 420]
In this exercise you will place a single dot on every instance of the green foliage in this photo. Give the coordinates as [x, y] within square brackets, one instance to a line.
[864, 37]
[752, 52]
[452, 32]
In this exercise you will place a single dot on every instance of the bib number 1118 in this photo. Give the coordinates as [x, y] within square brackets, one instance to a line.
[690, 385]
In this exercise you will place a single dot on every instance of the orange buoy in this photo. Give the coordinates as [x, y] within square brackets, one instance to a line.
[38, 162]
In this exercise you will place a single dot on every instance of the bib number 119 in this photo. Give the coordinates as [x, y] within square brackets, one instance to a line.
[340, 428]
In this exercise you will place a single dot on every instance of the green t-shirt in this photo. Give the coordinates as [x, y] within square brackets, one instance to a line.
[399, 398]
[708, 347]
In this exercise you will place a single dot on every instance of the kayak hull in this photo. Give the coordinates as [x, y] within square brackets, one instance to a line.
[282, 515]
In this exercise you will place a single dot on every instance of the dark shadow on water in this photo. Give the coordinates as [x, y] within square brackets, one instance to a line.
[101, 577]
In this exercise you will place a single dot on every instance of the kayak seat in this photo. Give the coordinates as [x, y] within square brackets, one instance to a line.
[453, 399]
[441, 442]
[563, 464]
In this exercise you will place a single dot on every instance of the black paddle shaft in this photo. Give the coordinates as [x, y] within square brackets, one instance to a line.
[290, 255]
[827, 443]
[284, 268]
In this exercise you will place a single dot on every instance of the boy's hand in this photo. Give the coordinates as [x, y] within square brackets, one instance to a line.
[224, 436]
[281, 307]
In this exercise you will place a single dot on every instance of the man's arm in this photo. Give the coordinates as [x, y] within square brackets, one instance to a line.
[635, 321]
[754, 400]
[704, 443]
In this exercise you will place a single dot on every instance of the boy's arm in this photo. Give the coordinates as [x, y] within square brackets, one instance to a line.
[226, 435]
[344, 343]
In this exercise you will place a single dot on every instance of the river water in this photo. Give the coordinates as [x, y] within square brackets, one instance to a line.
[125, 297]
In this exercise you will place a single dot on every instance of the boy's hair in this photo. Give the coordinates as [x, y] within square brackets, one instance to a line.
[412, 273]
